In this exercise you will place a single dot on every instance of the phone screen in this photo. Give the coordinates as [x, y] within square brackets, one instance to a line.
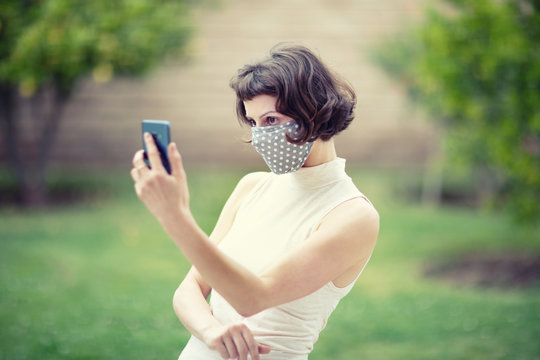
[160, 130]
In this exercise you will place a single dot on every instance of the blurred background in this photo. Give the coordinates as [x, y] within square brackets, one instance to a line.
[446, 143]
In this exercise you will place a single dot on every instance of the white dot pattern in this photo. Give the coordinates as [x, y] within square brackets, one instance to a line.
[280, 155]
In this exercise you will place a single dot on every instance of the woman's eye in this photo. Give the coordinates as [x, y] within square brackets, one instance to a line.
[271, 120]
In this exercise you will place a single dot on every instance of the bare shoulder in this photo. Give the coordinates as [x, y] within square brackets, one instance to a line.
[356, 217]
[248, 182]
[228, 213]
[353, 227]
[243, 188]
[253, 178]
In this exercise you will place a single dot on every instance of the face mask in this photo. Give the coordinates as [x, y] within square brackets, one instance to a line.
[280, 155]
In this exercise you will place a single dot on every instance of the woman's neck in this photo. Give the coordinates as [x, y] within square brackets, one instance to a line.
[321, 152]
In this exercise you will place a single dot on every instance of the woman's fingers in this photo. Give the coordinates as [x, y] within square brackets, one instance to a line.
[223, 351]
[252, 347]
[237, 342]
[241, 345]
[231, 348]
[153, 153]
[138, 159]
[175, 159]
[139, 166]
[264, 349]
[244, 342]
[134, 174]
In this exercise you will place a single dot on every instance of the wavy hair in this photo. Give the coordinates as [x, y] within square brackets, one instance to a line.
[306, 90]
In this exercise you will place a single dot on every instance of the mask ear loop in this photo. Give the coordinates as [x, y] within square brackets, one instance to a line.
[246, 141]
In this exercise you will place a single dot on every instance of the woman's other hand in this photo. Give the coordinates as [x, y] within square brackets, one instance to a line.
[235, 342]
[166, 196]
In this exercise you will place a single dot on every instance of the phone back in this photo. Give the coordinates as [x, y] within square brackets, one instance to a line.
[160, 130]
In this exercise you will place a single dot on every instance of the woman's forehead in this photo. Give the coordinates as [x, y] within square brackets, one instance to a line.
[260, 105]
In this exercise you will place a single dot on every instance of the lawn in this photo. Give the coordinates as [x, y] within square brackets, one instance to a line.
[95, 280]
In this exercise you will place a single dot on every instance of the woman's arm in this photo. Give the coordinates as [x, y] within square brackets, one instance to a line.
[190, 299]
[233, 341]
[191, 308]
[343, 241]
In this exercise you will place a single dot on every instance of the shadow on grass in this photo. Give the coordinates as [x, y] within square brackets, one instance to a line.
[64, 190]
[493, 270]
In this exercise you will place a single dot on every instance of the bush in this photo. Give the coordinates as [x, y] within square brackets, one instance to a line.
[47, 46]
[475, 66]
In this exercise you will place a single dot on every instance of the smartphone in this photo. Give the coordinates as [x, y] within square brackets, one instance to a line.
[160, 130]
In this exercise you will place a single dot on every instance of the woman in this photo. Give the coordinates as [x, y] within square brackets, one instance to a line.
[290, 243]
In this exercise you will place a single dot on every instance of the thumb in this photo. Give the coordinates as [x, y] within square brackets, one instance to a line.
[177, 169]
[263, 349]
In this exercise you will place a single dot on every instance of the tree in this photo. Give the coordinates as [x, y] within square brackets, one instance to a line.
[47, 46]
[475, 66]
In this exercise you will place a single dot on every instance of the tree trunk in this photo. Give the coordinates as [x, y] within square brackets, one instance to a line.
[8, 102]
[28, 162]
[432, 181]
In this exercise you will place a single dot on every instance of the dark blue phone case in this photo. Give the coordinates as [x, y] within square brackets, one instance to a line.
[160, 130]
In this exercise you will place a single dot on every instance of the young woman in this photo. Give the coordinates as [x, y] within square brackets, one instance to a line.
[289, 243]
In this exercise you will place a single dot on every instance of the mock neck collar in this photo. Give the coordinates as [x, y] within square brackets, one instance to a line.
[318, 175]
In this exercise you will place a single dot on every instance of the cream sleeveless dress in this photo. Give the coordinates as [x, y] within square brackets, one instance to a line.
[278, 215]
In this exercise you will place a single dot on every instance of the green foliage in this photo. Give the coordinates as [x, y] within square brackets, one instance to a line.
[475, 65]
[58, 41]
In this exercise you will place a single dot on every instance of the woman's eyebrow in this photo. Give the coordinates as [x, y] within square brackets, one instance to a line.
[266, 113]
[263, 115]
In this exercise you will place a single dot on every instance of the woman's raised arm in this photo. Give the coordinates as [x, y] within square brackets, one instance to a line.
[343, 242]
[190, 298]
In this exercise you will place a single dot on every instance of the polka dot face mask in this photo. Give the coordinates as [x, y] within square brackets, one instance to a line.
[280, 155]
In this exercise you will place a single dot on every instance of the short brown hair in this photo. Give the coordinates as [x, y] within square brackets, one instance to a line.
[306, 90]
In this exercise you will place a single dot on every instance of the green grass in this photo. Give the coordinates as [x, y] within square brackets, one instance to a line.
[95, 281]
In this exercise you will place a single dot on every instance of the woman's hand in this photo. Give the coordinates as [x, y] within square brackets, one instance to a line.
[235, 342]
[166, 196]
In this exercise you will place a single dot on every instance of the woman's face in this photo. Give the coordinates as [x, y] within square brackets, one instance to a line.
[261, 111]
